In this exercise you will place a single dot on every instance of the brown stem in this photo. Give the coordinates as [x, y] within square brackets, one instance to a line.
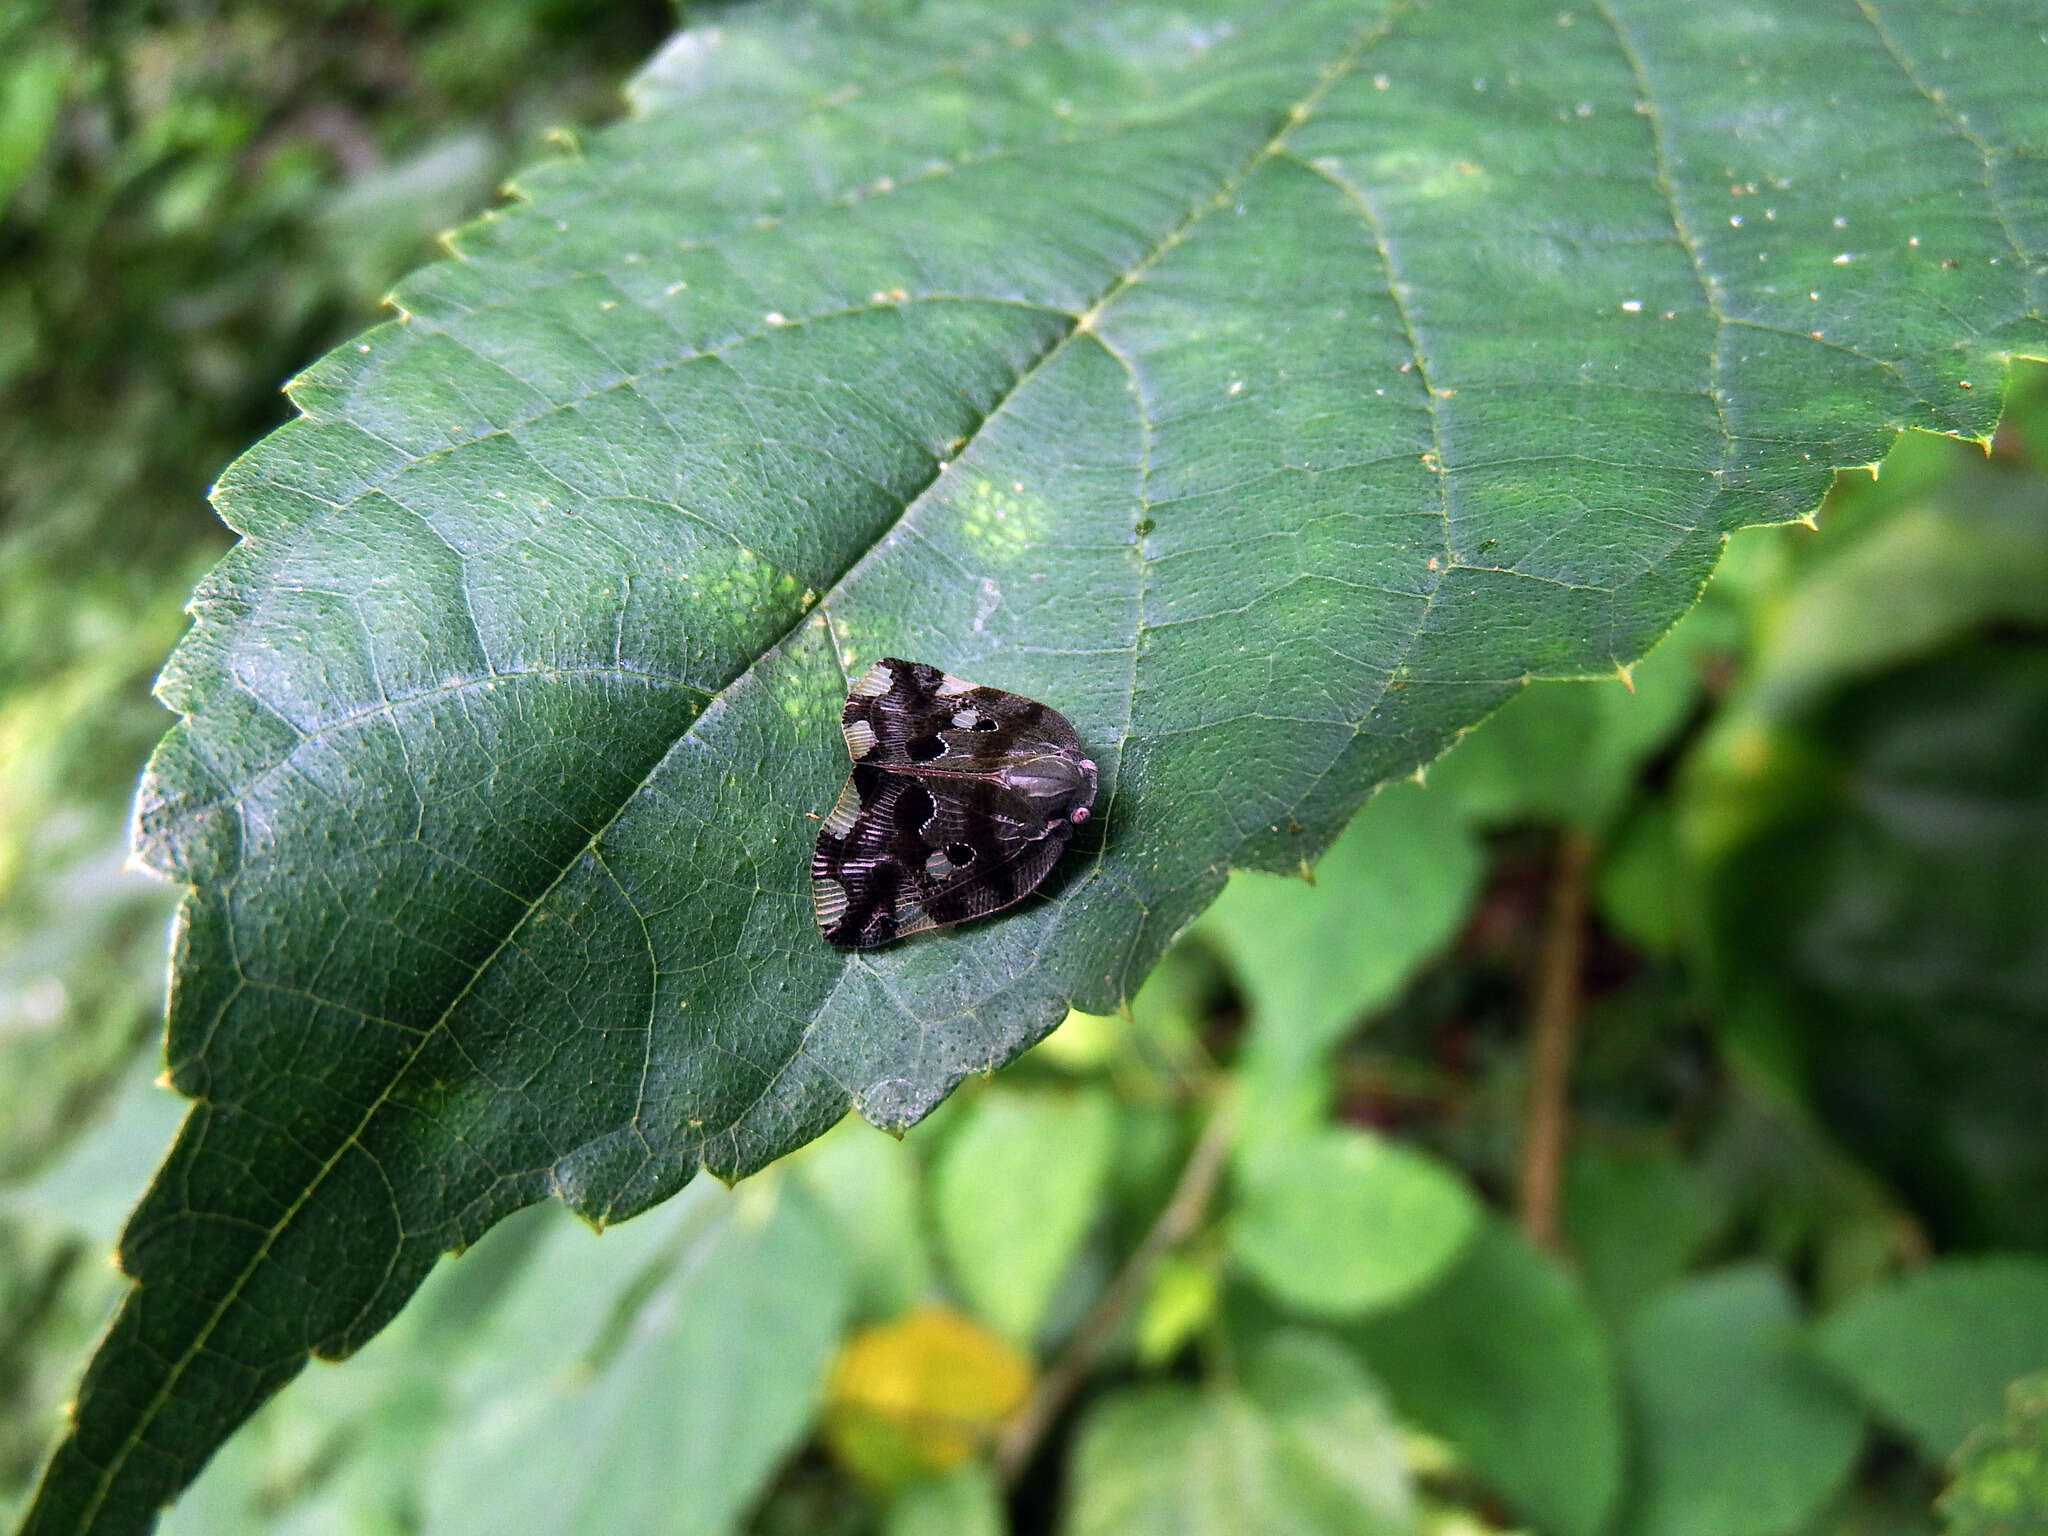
[1554, 1037]
[1183, 1214]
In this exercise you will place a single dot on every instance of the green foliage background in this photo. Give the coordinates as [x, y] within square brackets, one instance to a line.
[1802, 1214]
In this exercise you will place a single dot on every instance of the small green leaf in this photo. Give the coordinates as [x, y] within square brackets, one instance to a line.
[1305, 1448]
[1643, 888]
[1314, 959]
[1503, 1359]
[1636, 1217]
[1569, 751]
[2001, 1472]
[871, 1185]
[1933, 1352]
[1018, 1183]
[1340, 1222]
[965, 1502]
[1335, 1429]
[1737, 1432]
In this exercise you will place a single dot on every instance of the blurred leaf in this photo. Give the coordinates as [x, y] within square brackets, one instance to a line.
[503, 722]
[1870, 809]
[91, 1190]
[1636, 1217]
[1335, 1427]
[1568, 751]
[871, 1185]
[523, 1316]
[31, 91]
[1175, 1010]
[1943, 546]
[1180, 1301]
[1644, 889]
[1017, 1185]
[1304, 1447]
[920, 1395]
[374, 224]
[2001, 1472]
[1737, 1432]
[1503, 1359]
[1341, 1221]
[1083, 1042]
[1794, 1195]
[81, 934]
[683, 1421]
[56, 1289]
[550, 1382]
[1889, 935]
[965, 1502]
[1934, 1351]
[1314, 959]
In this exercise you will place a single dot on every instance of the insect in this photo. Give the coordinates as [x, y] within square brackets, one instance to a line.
[960, 802]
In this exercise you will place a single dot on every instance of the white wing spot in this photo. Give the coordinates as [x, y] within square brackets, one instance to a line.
[845, 811]
[873, 683]
[829, 897]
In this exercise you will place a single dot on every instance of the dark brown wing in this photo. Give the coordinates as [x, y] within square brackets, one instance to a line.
[913, 718]
[900, 853]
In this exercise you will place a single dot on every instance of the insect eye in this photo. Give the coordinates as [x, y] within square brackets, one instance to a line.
[986, 724]
[959, 853]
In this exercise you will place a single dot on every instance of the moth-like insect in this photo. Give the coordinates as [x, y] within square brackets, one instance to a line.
[959, 804]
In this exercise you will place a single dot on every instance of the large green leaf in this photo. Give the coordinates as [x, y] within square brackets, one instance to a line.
[1933, 1352]
[1305, 1446]
[1272, 389]
[1019, 1183]
[1313, 960]
[1866, 813]
[1504, 1359]
[1341, 1222]
[680, 1427]
[1738, 1433]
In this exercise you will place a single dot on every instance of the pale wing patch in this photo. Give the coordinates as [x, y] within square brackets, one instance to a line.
[873, 683]
[845, 811]
[938, 866]
[829, 897]
[860, 738]
[951, 687]
[911, 917]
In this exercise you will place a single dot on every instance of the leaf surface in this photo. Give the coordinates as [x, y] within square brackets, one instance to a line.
[1339, 1222]
[1738, 1433]
[1504, 1359]
[1933, 1352]
[1270, 389]
[1306, 1447]
[1017, 1187]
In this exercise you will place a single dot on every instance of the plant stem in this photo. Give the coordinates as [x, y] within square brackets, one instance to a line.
[1175, 1224]
[1554, 1037]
